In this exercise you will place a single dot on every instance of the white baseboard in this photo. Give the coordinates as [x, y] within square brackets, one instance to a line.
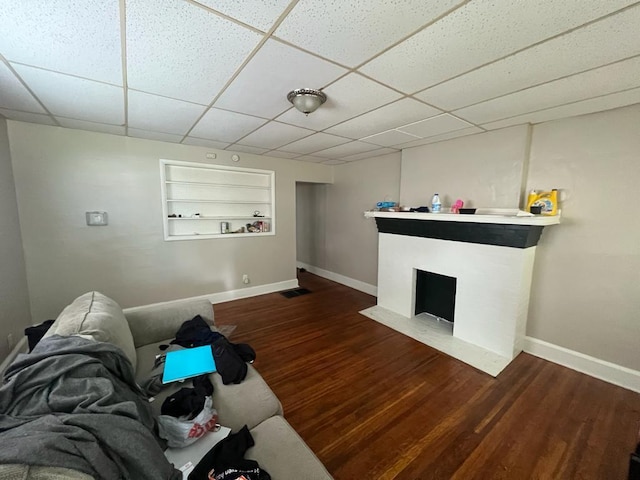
[607, 371]
[253, 291]
[336, 277]
[229, 295]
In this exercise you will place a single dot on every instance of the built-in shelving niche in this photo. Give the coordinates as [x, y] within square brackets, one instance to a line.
[212, 201]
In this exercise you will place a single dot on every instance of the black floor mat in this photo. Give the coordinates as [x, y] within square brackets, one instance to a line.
[295, 293]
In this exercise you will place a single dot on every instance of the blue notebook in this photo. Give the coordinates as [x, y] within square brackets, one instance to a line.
[188, 363]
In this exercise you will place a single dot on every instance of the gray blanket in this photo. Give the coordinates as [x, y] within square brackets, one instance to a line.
[74, 403]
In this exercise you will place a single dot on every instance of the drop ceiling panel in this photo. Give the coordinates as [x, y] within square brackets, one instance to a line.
[201, 142]
[91, 126]
[75, 97]
[262, 86]
[477, 33]
[26, 117]
[592, 105]
[313, 143]
[435, 126]
[181, 50]
[261, 14]
[279, 154]
[347, 149]
[389, 138]
[601, 81]
[274, 135]
[442, 137]
[162, 137]
[334, 162]
[352, 32]
[312, 159]
[76, 37]
[600, 43]
[225, 126]
[161, 114]
[371, 154]
[247, 149]
[14, 95]
[403, 111]
[350, 96]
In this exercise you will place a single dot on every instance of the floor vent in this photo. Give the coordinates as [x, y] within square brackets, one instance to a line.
[295, 292]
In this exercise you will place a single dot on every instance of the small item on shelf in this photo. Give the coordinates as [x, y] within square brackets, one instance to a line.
[436, 204]
[419, 209]
[240, 230]
[385, 206]
[224, 227]
[548, 201]
[457, 206]
[195, 215]
[173, 215]
[257, 214]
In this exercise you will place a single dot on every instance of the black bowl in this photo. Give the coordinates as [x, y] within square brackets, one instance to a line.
[467, 211]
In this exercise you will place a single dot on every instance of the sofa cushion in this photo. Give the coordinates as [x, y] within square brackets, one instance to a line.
[33, 472]
[277, 444]
[94, 315]
[247, 403]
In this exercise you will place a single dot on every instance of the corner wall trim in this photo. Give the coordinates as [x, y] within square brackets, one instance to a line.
[601, 369]
[336, 277]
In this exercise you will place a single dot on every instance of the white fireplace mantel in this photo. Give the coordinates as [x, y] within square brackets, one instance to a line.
[487, 215]
[493, 266]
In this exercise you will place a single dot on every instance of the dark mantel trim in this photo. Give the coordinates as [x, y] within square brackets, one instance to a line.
[503, 235]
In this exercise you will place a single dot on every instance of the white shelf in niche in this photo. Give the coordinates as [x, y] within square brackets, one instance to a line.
[216, 194]
[169, 182]
[255, 219]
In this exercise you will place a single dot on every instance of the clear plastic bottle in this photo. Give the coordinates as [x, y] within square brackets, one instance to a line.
[436, 205]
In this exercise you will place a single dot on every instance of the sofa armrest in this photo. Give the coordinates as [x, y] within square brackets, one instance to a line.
[155, 323]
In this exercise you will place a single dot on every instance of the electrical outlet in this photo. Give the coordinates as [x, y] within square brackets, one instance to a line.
[10, 343]
[245, 278]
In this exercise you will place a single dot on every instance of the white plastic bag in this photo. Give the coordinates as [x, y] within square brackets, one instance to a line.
[180, 432]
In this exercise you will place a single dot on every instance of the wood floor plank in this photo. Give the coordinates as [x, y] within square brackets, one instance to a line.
[375, 404]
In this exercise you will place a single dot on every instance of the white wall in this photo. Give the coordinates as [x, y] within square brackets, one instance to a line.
[347, 243]
[586, 284]
[61, 173]
[311, 215]
[14, 295]
[483, 170]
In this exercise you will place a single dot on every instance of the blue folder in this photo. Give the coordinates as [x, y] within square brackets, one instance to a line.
[187, 363]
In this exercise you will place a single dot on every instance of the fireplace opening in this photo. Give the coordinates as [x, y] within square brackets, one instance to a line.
[435, 295]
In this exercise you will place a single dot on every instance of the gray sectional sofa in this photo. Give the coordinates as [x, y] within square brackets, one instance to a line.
[138, 332]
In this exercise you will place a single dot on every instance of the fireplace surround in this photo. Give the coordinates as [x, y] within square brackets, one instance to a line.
[490, 255]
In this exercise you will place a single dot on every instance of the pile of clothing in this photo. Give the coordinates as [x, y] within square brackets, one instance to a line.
[188, 414]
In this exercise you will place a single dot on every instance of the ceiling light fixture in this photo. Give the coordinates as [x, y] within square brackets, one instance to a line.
[307, 100]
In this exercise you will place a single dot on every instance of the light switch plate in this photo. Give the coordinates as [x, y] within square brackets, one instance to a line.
[97, 219]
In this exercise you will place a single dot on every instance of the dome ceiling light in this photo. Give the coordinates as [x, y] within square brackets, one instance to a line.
[307, 100]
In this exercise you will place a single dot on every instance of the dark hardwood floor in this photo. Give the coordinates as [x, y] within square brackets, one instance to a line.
[374, 404]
